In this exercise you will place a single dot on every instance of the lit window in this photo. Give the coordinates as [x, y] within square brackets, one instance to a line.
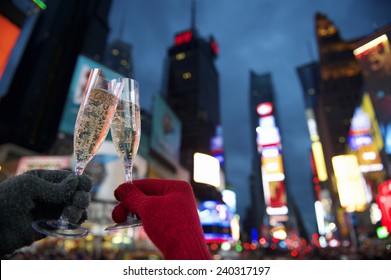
[124, 62]
[341, 139]
[180, 56]
[115, 52]
[186, 75]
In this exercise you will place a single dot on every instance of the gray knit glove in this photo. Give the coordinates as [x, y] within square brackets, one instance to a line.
[35, 195]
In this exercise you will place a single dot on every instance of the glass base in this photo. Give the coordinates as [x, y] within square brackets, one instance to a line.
[60, 229]
[131, 222]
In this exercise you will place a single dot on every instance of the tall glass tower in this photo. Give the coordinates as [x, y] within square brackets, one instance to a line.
[192, 91]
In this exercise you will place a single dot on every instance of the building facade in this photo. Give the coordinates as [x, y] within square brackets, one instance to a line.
[31, 108]
[193, 92]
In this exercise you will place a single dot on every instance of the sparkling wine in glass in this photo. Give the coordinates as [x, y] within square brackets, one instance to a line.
[95, 115]
[125, 132]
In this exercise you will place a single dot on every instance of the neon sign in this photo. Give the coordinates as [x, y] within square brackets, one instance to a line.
[264, 109]
[184, 37]
[214, 47]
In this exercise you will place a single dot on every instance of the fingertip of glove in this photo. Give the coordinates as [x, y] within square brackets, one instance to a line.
[85, 183]
[122, 190]
[119, 213]
[81, 199]
[73, 213]
[84, 217]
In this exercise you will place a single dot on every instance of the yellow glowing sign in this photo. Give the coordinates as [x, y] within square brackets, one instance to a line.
[381, 39]
[317, 150]
[369, 158]
[351, 189]
[273, 164]
[367, 107]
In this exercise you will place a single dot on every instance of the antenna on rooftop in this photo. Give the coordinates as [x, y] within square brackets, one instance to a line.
[193, 14]
[121, 29]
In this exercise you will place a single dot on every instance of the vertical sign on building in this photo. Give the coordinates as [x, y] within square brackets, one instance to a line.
[269, 148]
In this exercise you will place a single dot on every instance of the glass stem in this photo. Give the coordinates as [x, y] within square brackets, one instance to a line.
[129, 173]
[79, 169]
[62, 222]
[130, 217]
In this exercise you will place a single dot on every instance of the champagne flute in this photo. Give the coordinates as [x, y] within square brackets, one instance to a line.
[93, 120]
[126, 132]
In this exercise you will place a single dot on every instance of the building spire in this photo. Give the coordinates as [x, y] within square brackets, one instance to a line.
[122, 26]
[193, 14]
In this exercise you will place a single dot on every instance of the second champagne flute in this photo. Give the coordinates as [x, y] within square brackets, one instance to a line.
[126, 132]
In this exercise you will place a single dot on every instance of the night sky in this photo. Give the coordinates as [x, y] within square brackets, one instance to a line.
[265, 36]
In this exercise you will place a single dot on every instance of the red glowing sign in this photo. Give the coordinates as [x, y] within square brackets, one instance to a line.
[264, 109]
[184, 37]
[8, 36]
[214, 47]
[383, 200]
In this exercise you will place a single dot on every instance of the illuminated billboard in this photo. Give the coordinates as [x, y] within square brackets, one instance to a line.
[375, 60]
[364, 137]
[267, 136]
[317, 151]
[229, 198]
[360, 130]
[43, 162]
[206, 169]
[166, 131]
[350, 183]
[275, 195]
[183, 37]
[75, 92]
[383, 200]
[272, 170]
[8, 37]
[369, 159]
[217, 145]
[107, 172]
[215, 219]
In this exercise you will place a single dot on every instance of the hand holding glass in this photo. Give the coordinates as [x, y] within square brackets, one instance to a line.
[126, 132]
[95, 114]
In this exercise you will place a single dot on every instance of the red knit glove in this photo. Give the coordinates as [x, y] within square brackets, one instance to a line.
[168, 211]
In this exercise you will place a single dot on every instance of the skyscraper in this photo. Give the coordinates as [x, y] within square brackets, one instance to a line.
[32, 107]
[118, 56]
[309, 77]
[344, 133]
[340, 92]
[193, 91]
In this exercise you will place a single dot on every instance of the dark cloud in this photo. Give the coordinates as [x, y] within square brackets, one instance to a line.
[260, 35]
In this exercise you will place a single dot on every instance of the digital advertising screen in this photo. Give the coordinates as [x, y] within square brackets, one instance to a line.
[107, 172]
[75, 92]
[8, 37]
[215, 219]
[166, 131]
[207, 170]
[375, 60]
